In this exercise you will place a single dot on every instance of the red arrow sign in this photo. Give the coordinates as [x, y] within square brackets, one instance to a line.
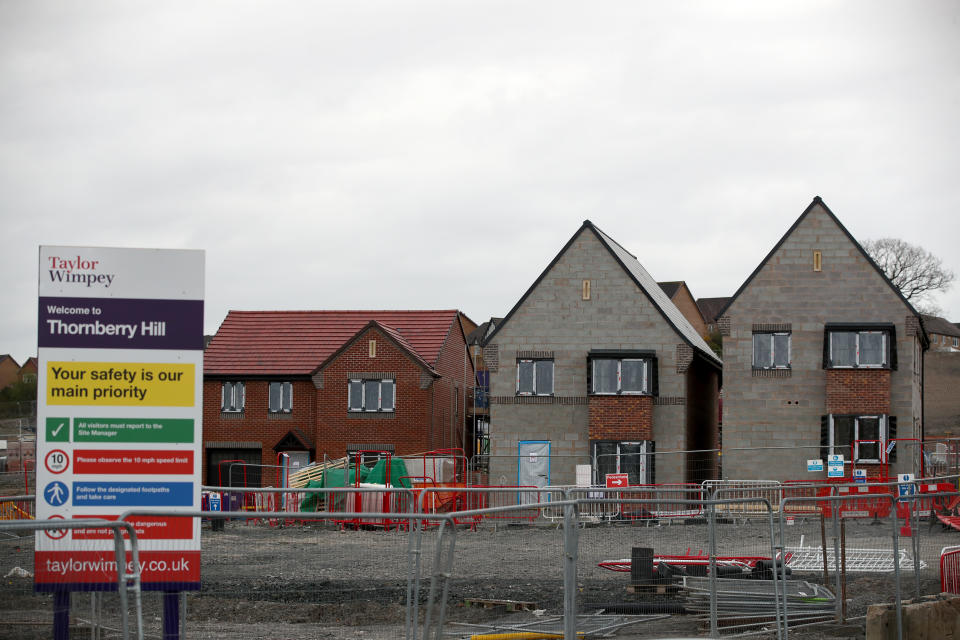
[616, 480]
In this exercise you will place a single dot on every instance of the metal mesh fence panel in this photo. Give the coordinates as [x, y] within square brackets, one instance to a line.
[93, 610]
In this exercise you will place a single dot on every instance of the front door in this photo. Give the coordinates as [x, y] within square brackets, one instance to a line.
[293, 462]
[533, 467]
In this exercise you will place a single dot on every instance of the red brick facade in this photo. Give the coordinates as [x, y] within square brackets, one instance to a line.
[255, 422]
[621, 418]
[858, 391]
[428, 414]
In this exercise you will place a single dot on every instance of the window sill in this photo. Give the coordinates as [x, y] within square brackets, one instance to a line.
[279, 415]
[232, 415]
[771, 373]
[371, 415]
[883, 367]
[628, 394]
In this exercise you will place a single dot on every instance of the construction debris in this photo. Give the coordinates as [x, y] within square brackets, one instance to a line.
[857, 560]
[751, 604]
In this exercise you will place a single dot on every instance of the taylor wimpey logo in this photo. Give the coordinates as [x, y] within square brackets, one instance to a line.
[78, 270]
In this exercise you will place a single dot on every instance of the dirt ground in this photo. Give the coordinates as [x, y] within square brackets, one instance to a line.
[315, 580]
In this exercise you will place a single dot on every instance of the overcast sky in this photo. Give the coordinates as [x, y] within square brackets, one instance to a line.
[358, 155]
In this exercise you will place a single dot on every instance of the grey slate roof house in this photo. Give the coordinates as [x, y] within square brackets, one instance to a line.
[822, 355]
[595, 366]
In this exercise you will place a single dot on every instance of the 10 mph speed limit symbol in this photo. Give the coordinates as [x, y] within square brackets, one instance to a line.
[56, 461]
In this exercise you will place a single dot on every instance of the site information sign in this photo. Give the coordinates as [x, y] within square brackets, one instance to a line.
[835, 466]
[119, 407]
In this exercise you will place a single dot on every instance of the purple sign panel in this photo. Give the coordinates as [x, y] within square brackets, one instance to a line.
[120, 323]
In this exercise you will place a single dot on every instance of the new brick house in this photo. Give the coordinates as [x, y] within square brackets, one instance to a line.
[595, 366]
[680, 295]
[8, 370]
[313, 383]
[28, 370]
[822, 355]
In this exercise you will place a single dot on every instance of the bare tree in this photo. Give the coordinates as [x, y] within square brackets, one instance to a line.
[914, 270]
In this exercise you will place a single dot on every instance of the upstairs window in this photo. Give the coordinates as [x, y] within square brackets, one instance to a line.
[371, 396]
[857, 349]
[860, 346]
[232, 397]
[534, 377]
[281, 397]
[771, 350]
[620, 376]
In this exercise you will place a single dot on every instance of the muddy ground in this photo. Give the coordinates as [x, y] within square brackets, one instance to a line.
[315, 580]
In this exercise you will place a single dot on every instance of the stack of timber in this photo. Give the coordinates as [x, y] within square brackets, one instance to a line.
[745, 605]
[315, 471]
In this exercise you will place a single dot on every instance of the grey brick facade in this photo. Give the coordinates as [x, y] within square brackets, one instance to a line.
[781, 415]
[554, 317]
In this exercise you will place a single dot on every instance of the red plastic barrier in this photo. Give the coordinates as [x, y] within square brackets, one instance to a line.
[950, 570]
[668, 497]
[863, 501]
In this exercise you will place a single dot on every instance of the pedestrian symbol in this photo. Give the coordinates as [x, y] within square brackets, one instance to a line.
[56, 493]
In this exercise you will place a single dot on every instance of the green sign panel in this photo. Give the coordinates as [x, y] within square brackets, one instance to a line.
[132, 430]
[58, 429]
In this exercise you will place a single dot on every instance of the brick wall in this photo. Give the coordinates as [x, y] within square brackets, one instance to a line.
[451, 391]
[407, 427]
[782, 414]
[429, 413]
[688, 307]
[858, 391]
[255, 423]
[941, 414]
[555, 318]
[621, 418]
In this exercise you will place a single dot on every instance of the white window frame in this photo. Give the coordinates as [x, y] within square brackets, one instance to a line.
[856, 436]
[281, 409]
[644, 387]
[771, 365]
[235, 405]
[366, 404]
[885, 362]
[537, 362]
[956, 343]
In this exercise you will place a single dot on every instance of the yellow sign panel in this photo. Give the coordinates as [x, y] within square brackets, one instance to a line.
[126, 384]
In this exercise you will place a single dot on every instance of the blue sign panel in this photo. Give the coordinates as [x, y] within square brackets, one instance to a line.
[56, 493]
[133, 494]
[835, 466]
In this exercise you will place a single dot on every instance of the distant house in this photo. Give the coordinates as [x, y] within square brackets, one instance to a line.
[944, 335]
[941, 377]
[312, 384]
[9, 370]
[710, 309]
[822, 355]
[28, 371]
[595, 366]
[680, 296]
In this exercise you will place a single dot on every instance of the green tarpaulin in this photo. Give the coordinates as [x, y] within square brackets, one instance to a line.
[333, 478]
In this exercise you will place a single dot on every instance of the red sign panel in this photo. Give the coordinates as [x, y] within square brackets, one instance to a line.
[100, 567]
[617, 480]
[139, 461]
[147, 528]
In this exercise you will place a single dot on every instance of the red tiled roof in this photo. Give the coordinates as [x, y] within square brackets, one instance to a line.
[296, 342]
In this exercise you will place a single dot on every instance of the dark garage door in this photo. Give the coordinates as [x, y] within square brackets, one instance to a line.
[222, 472]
